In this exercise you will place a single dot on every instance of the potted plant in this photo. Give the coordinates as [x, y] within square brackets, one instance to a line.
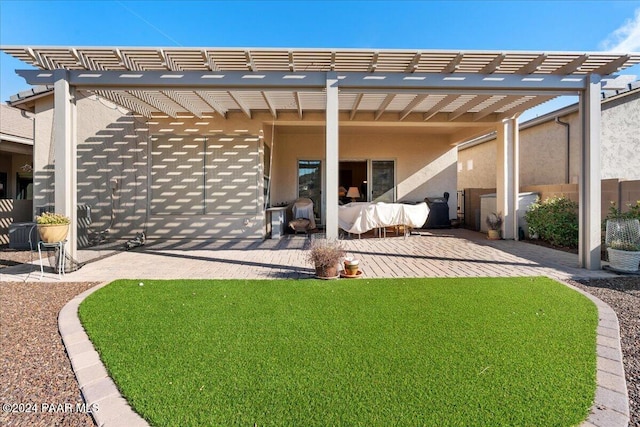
[494, 222]
[53, 227]
[325, 255]
[351, 266]
[623, 244]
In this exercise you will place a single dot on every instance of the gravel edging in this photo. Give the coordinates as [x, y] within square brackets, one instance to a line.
[611, 404]
[36, 368]
[36, 377]
[623, 295]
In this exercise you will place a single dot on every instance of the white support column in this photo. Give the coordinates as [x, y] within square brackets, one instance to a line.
[507, 176]
[65, 145]
[589, 186]
[332, 158]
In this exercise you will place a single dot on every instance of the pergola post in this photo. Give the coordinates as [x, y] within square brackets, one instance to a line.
[332, 158]
[507, 177]
[589, 183]
[65, 145]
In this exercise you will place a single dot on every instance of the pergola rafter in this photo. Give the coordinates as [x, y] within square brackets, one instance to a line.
[470, 89]
[472, 71]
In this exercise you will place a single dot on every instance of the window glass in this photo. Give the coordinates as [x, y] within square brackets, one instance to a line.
[310, 182]
[383, 181]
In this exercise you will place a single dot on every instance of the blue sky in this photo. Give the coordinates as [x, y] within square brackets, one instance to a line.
[456, 25]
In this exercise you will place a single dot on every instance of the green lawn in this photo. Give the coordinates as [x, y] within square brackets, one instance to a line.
[384, 352]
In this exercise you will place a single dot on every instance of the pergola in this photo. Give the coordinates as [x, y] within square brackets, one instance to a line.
[469, 92]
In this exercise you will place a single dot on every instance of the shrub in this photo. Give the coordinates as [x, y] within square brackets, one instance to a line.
[555, 220]
[632, 213]
[325, 253]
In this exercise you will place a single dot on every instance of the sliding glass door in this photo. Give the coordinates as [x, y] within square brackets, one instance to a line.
[310, 183]
[382, 181]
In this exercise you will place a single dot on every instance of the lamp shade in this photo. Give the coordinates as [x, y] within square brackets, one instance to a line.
[353, 193]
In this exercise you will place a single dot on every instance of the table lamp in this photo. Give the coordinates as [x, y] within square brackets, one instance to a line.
[353, 193]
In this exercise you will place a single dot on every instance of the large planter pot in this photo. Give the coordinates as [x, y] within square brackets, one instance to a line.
[624, 260]
[325, 272]
[51, 233]
[493, 234]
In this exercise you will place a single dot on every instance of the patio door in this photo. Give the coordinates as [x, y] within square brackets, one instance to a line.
[375, 179]
[310, 184]
[383, 181]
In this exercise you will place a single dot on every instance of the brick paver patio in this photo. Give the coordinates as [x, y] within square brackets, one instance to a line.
[433, 253]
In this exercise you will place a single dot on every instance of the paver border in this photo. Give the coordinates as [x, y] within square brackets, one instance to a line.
[100, 393]
[611, 404]
[610, 407]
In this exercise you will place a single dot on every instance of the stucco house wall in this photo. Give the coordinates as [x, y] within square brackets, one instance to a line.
[425, 164]
[477, 166]
[621, 137]
[136, 175]
[544, 157]
[202, 178]
[16, 146]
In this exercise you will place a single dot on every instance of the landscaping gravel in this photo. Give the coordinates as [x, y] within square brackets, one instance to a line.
[623, 296]
[36, 374]
[35, 367]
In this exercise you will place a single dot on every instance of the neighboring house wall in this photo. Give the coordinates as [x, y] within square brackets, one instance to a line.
[16, 158]
[543, 149]
[425, 164]
[621, 137]
[16, 122]
[16, 146]
[543, 152]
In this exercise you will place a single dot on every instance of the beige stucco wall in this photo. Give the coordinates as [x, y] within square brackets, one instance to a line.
[425, 164]
[136, 174]
[15, 122]
[621, 138]
[477, 166]
[114, 167]
[543, 153]
[43, 154]
[543, 149]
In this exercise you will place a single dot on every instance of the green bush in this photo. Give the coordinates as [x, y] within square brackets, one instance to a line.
[555, 220]
[632, 213]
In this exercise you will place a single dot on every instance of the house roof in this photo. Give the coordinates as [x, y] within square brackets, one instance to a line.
[419, 104]
[31, 94]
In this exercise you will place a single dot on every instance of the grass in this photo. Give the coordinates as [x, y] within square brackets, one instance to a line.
[384, 352]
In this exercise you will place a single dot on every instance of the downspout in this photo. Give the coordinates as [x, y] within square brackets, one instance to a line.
[568, 127]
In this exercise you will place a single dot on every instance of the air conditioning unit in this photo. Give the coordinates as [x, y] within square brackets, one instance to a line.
[20, 233]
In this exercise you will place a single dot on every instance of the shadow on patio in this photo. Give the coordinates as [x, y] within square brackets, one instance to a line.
[426, 253]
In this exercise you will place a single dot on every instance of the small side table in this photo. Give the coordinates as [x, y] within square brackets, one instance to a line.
[61, 256]
[276, 221]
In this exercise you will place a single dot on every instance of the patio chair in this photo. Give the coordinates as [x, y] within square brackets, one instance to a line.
[303, 215]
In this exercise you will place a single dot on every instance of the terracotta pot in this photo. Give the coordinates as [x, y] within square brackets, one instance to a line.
[330, 272]
[351, 269]
[51, 233]
[493, 234]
